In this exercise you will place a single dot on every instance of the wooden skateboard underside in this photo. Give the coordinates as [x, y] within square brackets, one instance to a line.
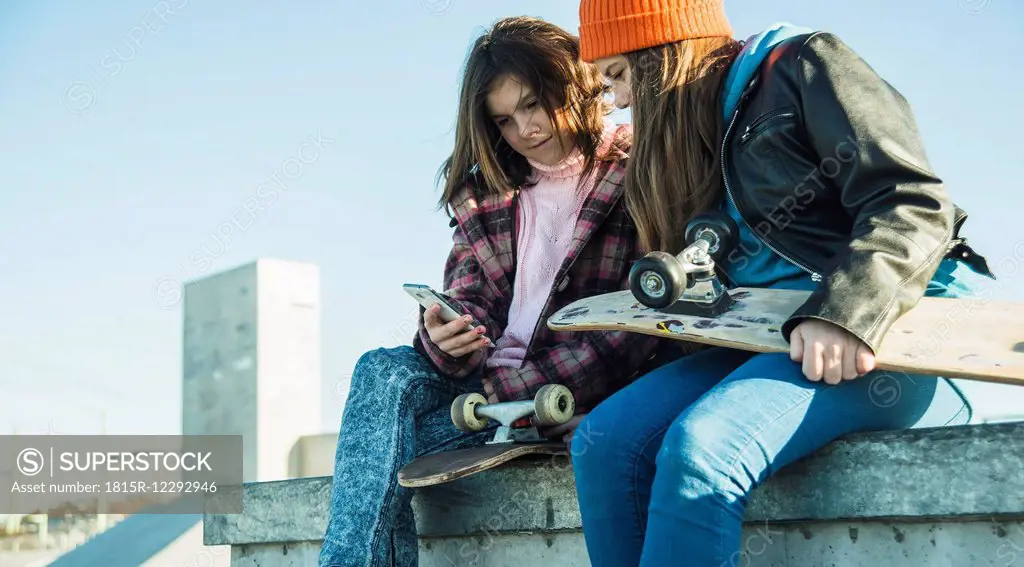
[975, 338]
[445, 467]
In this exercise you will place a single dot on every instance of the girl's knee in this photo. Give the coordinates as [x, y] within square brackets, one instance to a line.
[384, 369]
[603, 440]
[697, 452]
[591, 442]
[374, 360]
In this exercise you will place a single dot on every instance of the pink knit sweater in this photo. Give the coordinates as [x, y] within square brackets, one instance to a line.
[548, 213]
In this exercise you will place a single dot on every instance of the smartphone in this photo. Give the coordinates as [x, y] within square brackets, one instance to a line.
[428, 297]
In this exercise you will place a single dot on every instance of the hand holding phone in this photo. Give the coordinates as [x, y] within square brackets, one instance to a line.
[454, 337]
[455, 334]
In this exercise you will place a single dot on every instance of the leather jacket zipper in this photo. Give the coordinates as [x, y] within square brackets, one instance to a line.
[762, 123]
[815, 276]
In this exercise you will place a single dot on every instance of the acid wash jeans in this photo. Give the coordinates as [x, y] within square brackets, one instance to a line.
[398, 408]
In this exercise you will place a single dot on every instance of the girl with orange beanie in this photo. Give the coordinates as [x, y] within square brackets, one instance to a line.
[818, 163]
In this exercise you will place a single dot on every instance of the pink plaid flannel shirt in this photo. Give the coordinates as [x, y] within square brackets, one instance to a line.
[480, 271]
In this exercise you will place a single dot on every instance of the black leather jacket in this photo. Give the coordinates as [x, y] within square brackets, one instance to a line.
[824, 162]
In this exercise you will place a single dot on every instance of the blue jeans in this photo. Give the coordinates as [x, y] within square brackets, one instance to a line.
[398, 408]
[671, 460]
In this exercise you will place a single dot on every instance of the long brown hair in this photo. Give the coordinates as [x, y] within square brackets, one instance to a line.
[674, 171]
[545, 58]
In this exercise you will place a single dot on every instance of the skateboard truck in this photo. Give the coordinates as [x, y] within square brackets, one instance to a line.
[686, 284]
[553, 405]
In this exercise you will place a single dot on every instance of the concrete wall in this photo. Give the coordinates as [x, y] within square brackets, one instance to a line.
[941, 497]
[251, 360]
[219, 372]
[289, 361]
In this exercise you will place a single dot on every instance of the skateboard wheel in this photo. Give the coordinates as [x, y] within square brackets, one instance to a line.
[464, 413]
[718, 229]
[554, 404]
[657, 280]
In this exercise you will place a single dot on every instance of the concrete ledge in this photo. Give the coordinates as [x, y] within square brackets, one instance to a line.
[929, 475]
[964, 472]
[302, 554]
[274, 512]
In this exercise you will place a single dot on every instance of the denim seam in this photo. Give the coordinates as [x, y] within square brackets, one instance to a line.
[732, 466]
[807, 395]
[392, 488]
[636, 468]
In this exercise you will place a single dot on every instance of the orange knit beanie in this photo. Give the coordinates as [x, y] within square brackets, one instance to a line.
[610, 27]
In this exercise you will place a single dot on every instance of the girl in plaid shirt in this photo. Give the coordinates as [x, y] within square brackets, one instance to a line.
[533, 190]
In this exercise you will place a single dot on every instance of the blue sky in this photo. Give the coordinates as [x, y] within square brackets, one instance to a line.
[129, 138]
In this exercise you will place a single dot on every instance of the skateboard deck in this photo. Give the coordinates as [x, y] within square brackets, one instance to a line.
[438, 468]
[972, 338]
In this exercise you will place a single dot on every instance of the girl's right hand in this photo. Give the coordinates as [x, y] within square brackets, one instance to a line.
[829, 352]
[453, 337]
